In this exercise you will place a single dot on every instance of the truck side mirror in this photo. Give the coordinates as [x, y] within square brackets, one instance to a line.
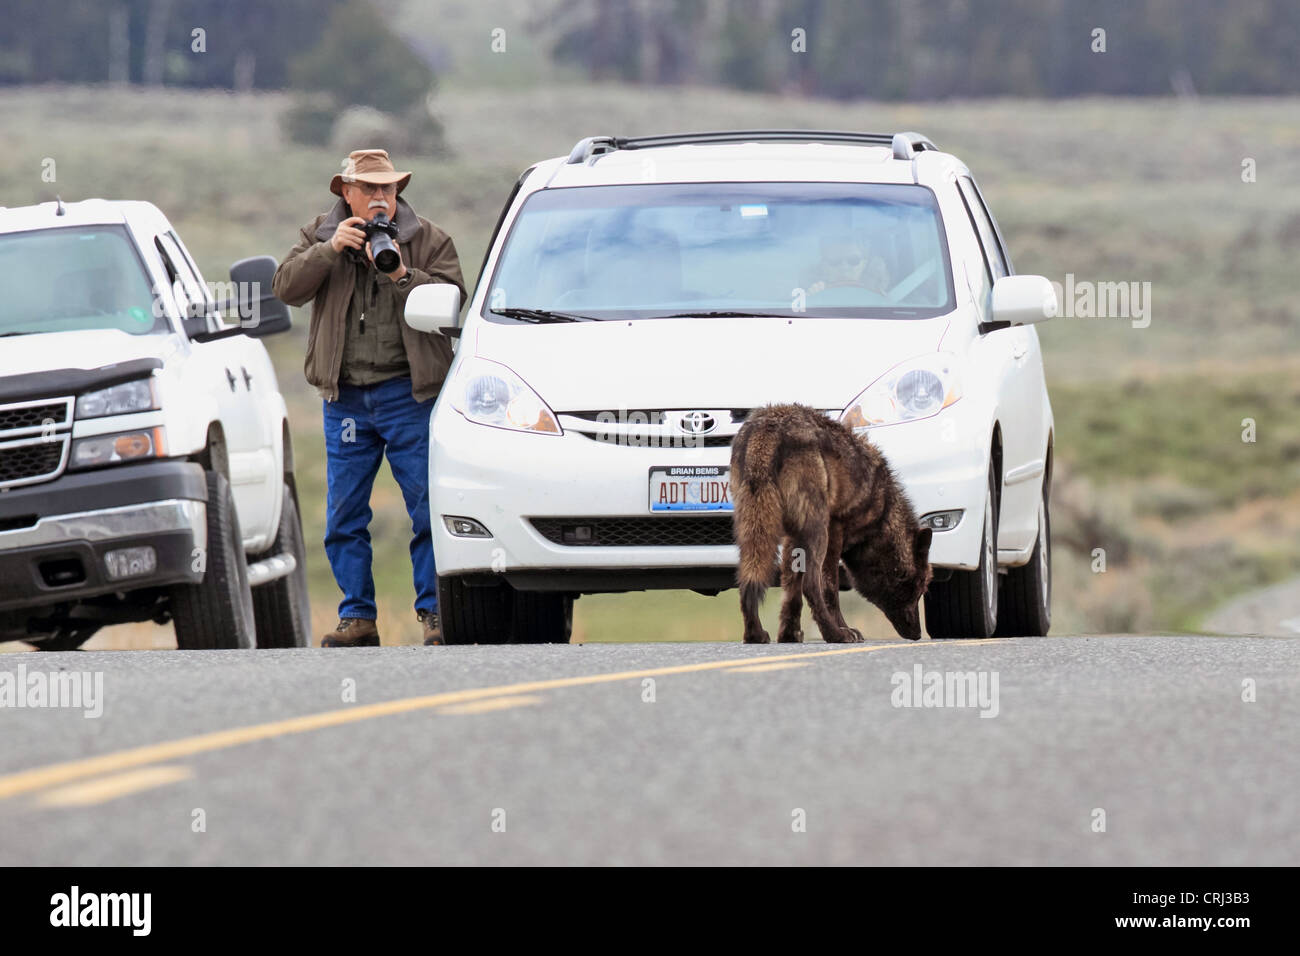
[259, 312]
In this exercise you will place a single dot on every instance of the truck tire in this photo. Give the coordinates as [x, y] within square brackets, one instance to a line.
[541, 617]
[281, 608]
[471, 614]
[1025, 604]
[218, 611]
[966, 605]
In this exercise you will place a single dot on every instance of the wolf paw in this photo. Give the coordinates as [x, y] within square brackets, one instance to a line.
[794, 636]
[761, 637]
[847, 635]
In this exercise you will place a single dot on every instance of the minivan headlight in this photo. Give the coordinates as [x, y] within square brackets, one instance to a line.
[137, 396]
[490, 394]
[911, 390]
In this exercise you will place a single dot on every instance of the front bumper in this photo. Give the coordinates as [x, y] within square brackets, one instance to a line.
[505, 479]
[54, 536]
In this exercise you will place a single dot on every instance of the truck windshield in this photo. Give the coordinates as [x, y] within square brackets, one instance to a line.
[845, 250]
[75, 278]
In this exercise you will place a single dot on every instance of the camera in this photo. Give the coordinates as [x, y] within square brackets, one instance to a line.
[381, 233]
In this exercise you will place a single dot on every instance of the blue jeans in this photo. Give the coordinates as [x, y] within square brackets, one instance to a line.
[362, 425]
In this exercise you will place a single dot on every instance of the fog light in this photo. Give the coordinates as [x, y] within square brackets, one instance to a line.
[942, 520]
[130, 562]
[577, 534]
[465, 527]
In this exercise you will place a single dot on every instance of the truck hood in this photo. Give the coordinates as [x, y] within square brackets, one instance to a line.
[89, 349]
[705, 363]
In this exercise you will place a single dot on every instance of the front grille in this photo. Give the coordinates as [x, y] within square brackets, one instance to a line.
[31, 460]
[647, 532]
[29, 417]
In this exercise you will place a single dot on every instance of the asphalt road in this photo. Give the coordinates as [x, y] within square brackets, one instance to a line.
[745, 755]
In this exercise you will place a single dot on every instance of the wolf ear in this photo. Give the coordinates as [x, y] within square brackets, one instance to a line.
[921, 547]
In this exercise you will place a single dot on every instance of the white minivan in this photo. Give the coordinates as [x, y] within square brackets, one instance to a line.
[642, 296]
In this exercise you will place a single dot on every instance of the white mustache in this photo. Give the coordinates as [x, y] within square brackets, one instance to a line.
[378, 204]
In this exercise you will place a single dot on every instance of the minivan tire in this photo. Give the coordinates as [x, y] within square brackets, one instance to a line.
[966, 605]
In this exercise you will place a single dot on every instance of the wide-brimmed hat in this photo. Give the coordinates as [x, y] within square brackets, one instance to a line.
[368, 166]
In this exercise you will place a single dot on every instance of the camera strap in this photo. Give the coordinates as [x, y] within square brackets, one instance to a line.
[371, 293]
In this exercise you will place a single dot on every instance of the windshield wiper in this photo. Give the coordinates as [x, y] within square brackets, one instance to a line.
[542, 315]
[5, 335]
[724, 315]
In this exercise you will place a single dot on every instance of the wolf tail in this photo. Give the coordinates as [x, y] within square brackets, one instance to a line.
[758, 512]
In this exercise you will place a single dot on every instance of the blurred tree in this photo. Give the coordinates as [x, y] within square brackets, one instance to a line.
[359, 61]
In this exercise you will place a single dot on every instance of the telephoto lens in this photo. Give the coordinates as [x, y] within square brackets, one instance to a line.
[380, 231]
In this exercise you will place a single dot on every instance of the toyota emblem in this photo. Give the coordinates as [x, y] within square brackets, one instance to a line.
[697, 423]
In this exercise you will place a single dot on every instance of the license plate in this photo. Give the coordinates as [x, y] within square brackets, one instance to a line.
[690, 488]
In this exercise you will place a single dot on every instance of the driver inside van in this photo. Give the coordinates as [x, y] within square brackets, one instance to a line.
[847, 261]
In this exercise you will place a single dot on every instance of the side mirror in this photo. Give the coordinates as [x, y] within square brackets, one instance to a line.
[1022, 300]
[258, 310]
[432, 305]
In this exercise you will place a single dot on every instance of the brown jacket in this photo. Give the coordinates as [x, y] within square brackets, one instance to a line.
[313, 271]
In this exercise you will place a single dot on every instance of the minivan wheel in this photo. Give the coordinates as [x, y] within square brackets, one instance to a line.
[218, 611]
[541, 617]
[1025, 605]
[966, 605]
[473, 614]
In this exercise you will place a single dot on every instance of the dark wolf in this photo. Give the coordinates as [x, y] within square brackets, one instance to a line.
[826, 495]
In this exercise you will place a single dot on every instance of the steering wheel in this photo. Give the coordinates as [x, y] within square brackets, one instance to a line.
[844, 283]
[848, 284]
[70, 312]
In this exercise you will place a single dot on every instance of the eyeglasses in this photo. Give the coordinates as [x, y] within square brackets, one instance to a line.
[388, 189]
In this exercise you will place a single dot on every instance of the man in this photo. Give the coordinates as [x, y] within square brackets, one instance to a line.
[378, 376]
[846, 261]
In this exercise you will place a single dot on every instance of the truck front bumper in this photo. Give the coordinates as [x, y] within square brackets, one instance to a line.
[57, 538]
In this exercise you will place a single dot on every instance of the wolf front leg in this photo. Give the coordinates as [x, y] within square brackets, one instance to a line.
[815, 538]
[831, 579]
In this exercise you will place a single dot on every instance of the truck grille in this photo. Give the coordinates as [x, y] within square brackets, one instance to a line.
[34, 439]
[20, 419]
[29, 460]
[648, 532]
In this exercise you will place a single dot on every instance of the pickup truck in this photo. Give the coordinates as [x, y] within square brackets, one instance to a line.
[146, 470]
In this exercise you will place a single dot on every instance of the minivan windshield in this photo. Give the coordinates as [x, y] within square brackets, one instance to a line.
[75, 278]
[848, 250]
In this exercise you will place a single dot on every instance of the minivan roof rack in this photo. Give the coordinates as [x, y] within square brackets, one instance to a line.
[903, 145]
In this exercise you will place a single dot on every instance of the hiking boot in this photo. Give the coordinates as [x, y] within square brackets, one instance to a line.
[432, 627]
[352, 632]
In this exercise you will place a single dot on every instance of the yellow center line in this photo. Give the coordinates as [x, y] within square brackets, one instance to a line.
[50, 775]
[489, 705]
[103, 789]
[764, 668]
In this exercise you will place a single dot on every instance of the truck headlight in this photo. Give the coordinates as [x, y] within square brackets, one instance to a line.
[491, 394]
[138, 396]
[119, 447]
[911, 390]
